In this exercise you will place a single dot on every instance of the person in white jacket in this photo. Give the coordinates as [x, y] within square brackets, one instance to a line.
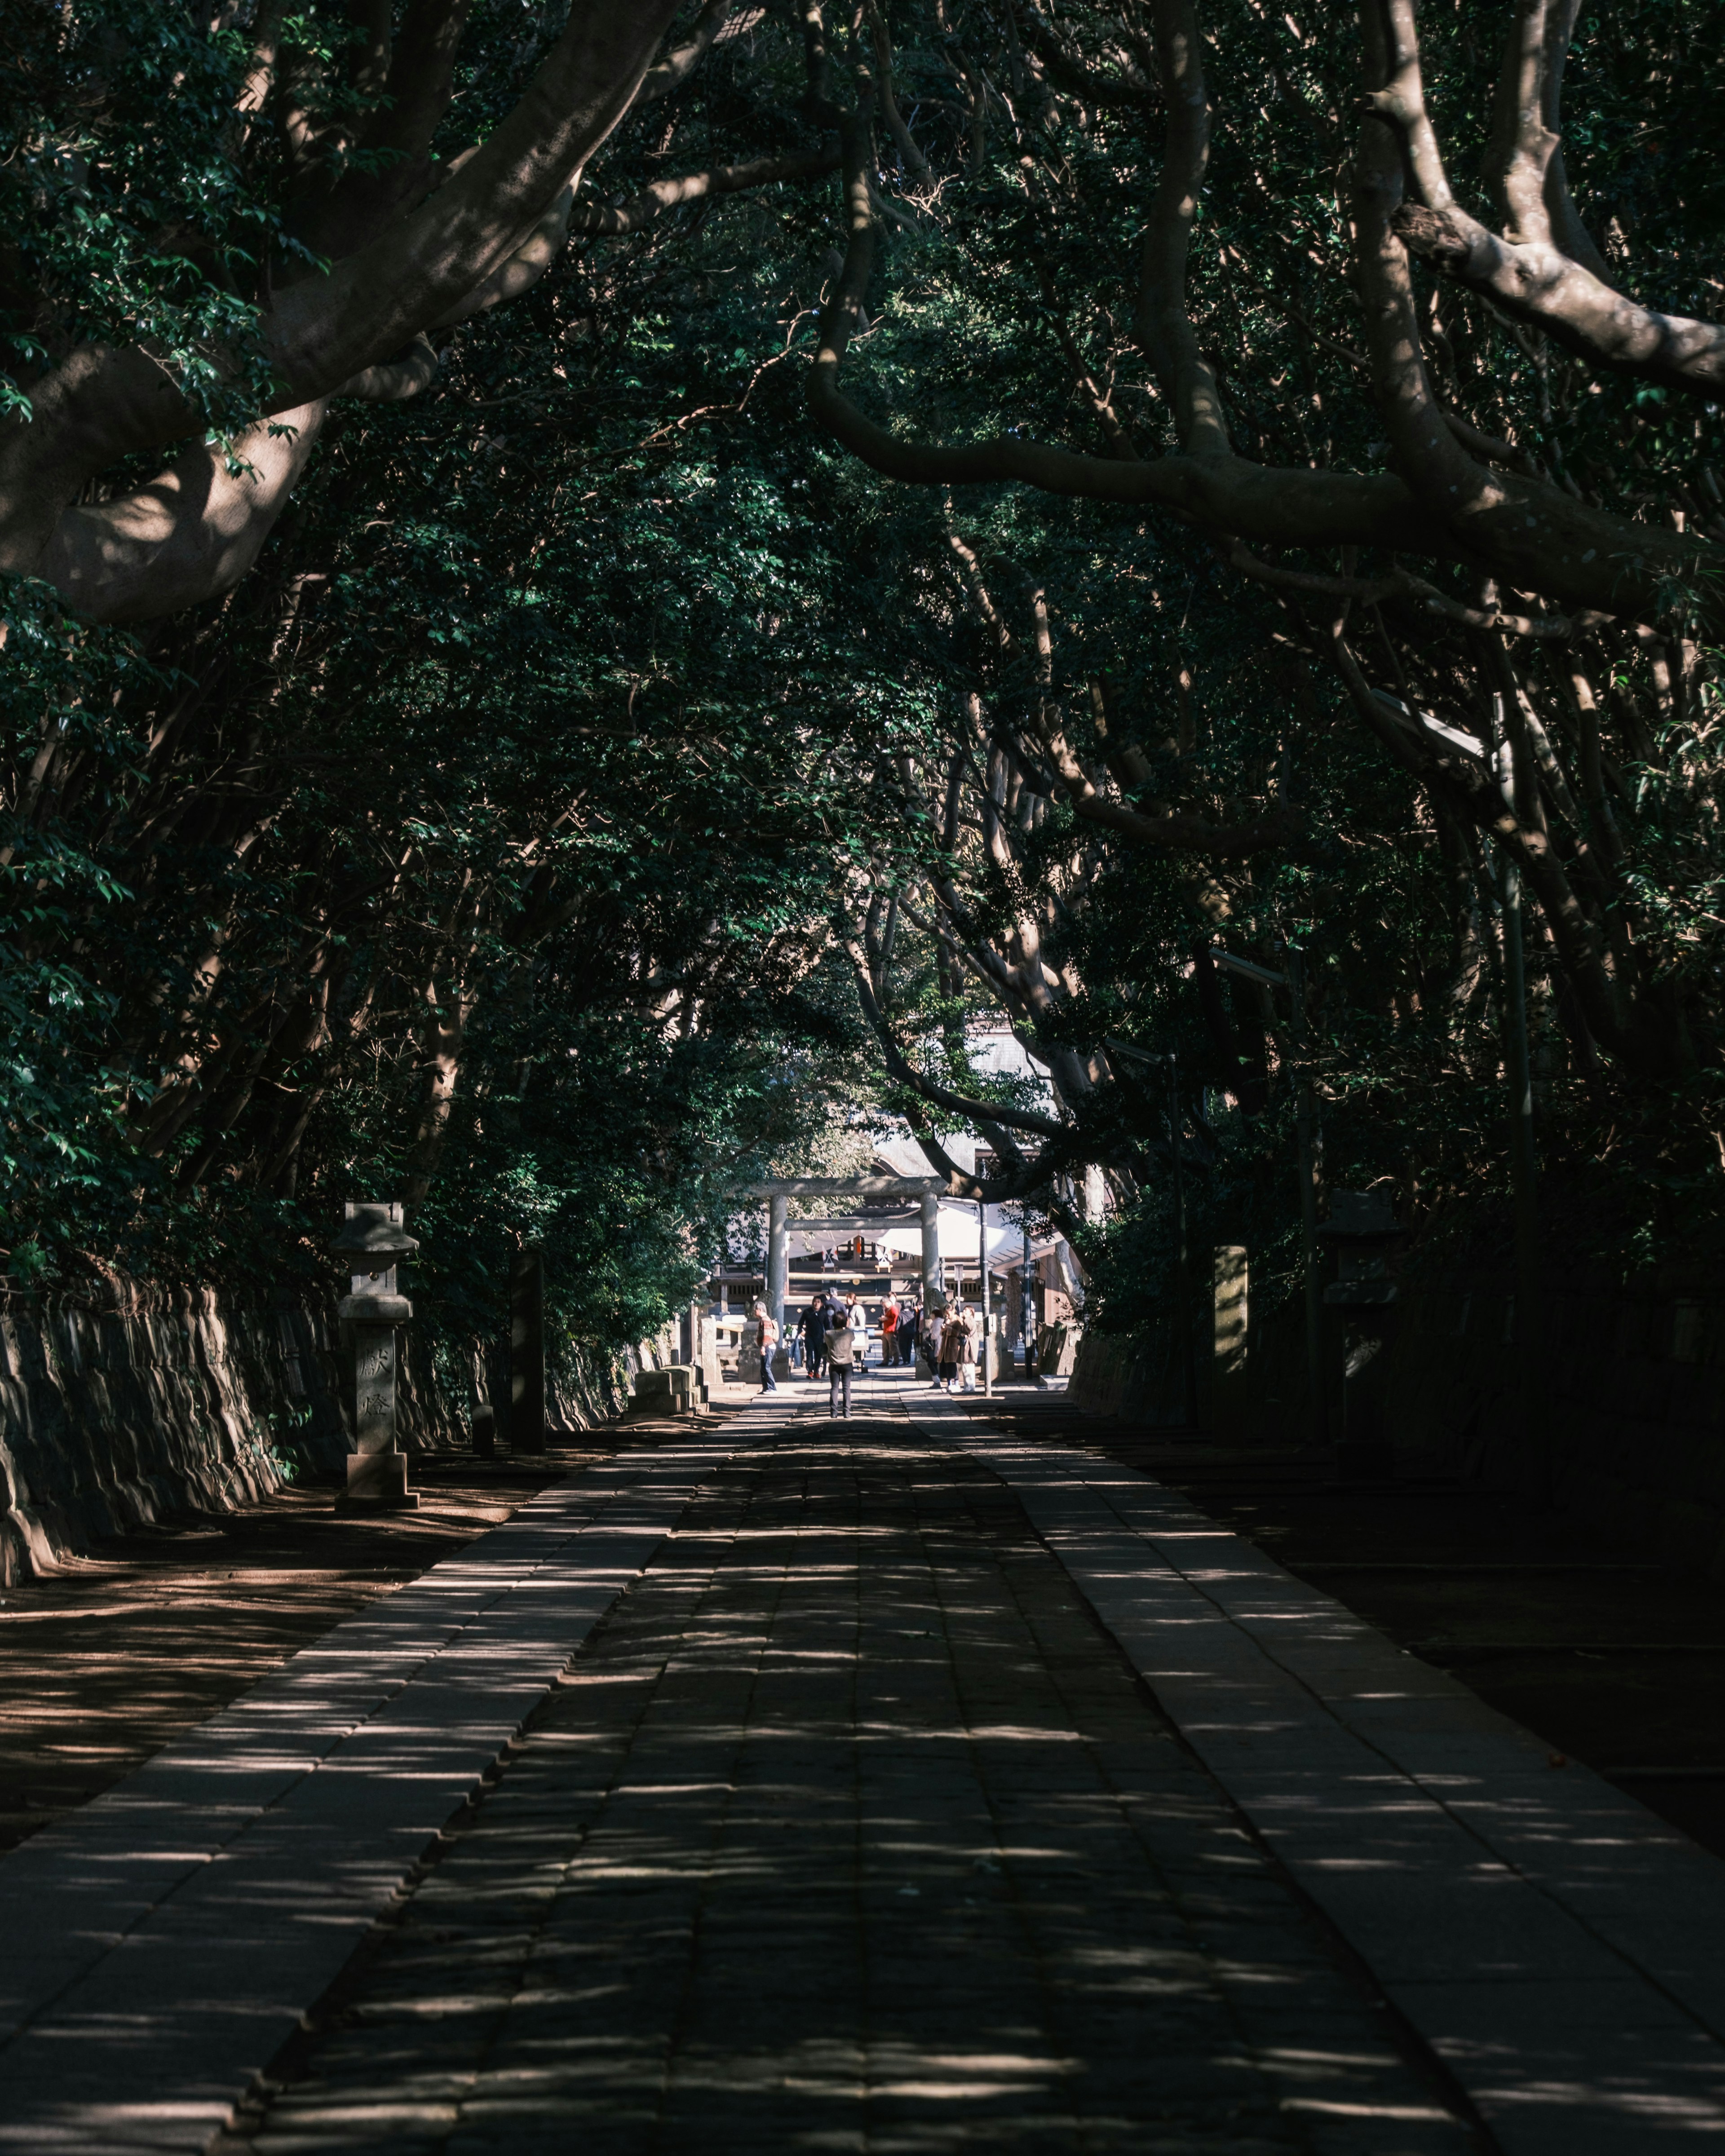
[970, 1325]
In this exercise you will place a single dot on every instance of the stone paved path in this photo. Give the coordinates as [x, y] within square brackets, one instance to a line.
[850, 1829]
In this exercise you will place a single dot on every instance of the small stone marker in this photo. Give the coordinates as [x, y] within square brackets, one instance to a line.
[373, 1237]
[484, 1432]
[678, 1389]
[1228, 1370]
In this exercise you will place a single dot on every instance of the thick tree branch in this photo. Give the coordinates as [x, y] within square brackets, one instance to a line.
[906, 1073]
[195, 531]
[393, 381]
[1162, 323]
[374, 50]
[103, 403]
[416, 95]
[1128, 89]
[1541, 287]
[1519, 148]
[406, 280]
[1567, 229]
[259, 75]
[1526, 271]
[1533, 536]
[653, 201]
[915, 163]
[1025, 1181]
[1276, 508]
[675, 69]
[522, 269]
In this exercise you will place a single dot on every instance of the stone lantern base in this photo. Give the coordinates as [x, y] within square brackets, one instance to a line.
[378, 1480]
[377, 1468]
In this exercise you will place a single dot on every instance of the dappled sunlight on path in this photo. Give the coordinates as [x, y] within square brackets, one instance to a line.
[850, 1828]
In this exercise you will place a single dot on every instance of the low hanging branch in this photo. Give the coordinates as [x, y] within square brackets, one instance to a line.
[906, 1073]
[1170, 832]
[1063, 1147]
[1528, 273]
[1441, 505]
[392, 282]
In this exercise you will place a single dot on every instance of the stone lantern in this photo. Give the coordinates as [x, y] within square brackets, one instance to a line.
[1362, 1229]
[373, 1240]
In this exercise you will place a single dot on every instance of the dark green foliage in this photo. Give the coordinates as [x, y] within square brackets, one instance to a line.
[578, 701]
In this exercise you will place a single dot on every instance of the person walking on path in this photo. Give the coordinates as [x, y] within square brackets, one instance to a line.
[888, 1332]
[815, 1332]
[969, 1325]
[910, 1318]
[946, 1332]
[767, 1332]
[841, 1356]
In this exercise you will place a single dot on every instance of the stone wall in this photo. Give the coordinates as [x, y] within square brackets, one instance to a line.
[166, 1402]
[1135, 1376]
[1635, 1383]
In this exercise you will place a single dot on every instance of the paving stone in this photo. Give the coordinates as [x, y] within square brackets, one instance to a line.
[851, 1827]
[861, 1823]
[160, 1943]
[1545, 1934]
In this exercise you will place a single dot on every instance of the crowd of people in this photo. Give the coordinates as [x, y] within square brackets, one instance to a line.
[832, 1337]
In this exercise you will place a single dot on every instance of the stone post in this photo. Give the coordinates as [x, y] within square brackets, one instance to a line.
[928, 1205]
[526, 1352]
[1227, 1367]
[934, 1294]
[372, 1238]
[779, 1277]
[987, 1353]
[1027, 1302]
[778, 1258]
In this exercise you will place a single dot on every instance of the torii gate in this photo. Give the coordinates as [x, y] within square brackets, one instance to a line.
[925, 1188]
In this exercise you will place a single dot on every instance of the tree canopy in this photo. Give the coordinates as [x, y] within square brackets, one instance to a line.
[705, 554]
